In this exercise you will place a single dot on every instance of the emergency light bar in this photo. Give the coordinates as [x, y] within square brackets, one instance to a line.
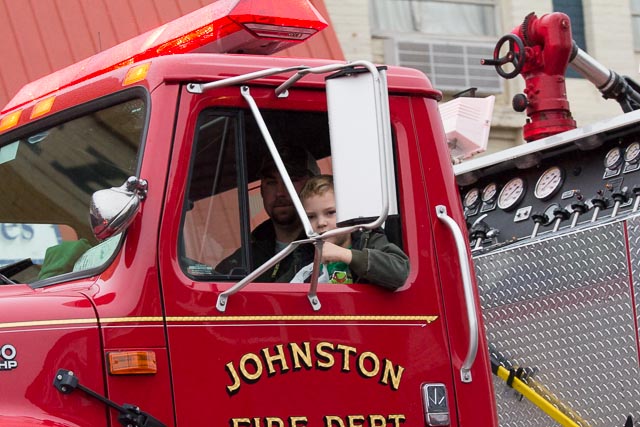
[226, 26]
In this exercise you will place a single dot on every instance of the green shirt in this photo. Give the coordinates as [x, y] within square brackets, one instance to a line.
[339, 273]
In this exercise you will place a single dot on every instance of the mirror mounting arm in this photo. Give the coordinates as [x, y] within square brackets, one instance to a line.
[313, 287]
[113, 209]
[318, 241]
[271, 145]
[282, 90]
[138, 186]
[221, 304]
[383, 136]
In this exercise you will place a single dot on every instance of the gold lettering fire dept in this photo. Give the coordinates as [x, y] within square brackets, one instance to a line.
[394, 420]
[323, 356]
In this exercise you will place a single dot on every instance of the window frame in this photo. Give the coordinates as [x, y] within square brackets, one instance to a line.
[243, 196]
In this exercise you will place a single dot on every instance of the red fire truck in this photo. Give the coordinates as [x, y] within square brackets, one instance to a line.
[128, 177]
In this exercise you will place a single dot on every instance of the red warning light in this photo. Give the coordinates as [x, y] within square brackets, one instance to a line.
[226, 26]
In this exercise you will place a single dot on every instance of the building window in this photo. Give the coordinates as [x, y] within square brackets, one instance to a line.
[437, 17]
[635, 22]
[573, 9]
[445, 39]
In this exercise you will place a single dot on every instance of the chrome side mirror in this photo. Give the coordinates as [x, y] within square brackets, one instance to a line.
[112, 210]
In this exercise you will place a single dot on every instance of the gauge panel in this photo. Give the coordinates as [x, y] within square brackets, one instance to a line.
[511, 194]
[471, 198]
[632, 153]
[549, 183]
[613, 158]
[489, 192]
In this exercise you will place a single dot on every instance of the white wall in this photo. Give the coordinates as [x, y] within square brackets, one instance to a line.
[350, 19]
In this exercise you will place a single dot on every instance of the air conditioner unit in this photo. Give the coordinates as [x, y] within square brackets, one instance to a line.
[451, 66]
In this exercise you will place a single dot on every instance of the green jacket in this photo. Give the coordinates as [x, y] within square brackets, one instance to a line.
[377, 261]
[374, 260]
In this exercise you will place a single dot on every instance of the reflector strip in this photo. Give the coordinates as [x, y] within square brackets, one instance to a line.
[42, 107]
[136, 74]
[10, 121]
[132, 363]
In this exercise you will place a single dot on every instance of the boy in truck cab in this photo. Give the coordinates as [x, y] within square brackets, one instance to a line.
[283, 225]
[365, 256]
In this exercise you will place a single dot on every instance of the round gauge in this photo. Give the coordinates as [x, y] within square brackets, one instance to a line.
[489, 192]
[472, 198]
[632, 153]
[549, 183]
[511, 194]
[613, 159]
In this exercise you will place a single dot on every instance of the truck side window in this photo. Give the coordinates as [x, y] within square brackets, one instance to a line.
[223, 199]
[211, 228]
[223, 214]
[49, 176]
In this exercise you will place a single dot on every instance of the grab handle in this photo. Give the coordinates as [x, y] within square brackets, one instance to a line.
[465, 270]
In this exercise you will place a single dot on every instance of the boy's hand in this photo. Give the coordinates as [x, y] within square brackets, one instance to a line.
[335, 253]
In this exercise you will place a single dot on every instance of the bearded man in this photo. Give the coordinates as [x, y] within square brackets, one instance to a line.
[283, 225]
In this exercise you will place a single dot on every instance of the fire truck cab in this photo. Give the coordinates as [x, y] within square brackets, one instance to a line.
[129, 177]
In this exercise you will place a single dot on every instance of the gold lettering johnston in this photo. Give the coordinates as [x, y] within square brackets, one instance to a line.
[293, 357]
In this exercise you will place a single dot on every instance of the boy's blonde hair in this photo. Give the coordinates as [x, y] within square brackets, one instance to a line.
[316, 186]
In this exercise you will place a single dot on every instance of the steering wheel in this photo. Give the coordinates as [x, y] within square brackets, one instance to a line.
[513, 56]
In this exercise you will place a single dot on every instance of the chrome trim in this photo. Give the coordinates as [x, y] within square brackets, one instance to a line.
[465, 271]
[590, 69]
[286, 179]
[515, 153]
[384, 142]
[203, 87]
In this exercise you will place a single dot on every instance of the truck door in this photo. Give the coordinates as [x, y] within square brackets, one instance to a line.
[270, 359]
[464, 321]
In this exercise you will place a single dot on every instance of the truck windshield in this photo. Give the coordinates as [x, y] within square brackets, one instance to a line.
[48, 178]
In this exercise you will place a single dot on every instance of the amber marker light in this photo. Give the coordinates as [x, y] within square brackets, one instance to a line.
[132, 362]
[136, 74]
[10, 120]
[42, 107]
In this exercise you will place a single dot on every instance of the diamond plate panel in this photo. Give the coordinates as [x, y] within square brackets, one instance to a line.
[564, 307]
[633, 231]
